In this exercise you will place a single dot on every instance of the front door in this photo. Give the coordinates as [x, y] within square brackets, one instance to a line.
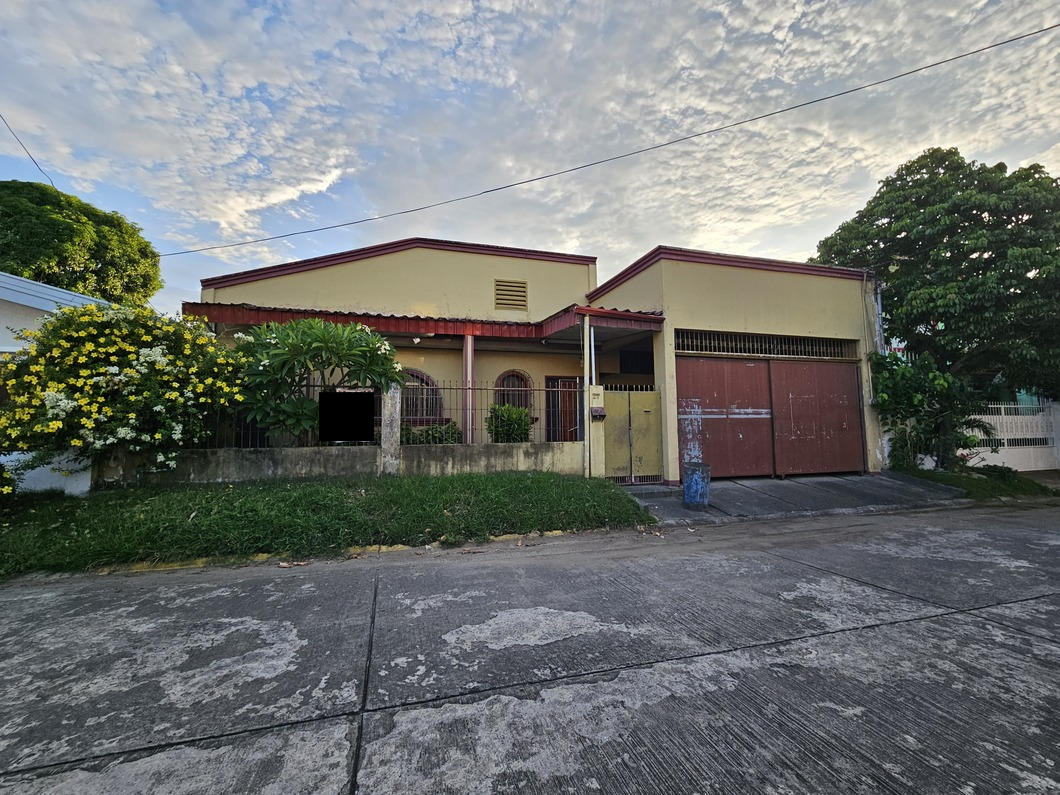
[563, 408]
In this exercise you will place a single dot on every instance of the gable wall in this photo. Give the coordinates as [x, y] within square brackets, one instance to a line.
[725, 298]
[426, 282]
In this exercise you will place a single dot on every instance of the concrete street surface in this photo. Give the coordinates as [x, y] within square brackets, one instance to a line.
[914, 652]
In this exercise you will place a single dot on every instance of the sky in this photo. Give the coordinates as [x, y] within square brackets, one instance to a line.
[212, 122]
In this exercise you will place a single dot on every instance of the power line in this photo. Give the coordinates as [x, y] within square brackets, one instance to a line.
[41, 170]
[623, 156]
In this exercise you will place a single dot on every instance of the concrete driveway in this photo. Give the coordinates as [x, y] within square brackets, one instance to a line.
[904, 653]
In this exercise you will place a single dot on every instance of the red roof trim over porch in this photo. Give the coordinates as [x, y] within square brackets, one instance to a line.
[247, 314]
[712, 258]
[287, 268]
[601, 318]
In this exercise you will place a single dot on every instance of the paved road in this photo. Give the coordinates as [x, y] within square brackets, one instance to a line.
[903, 653]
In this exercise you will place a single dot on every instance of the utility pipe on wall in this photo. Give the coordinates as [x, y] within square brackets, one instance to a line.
[586, 374]
[592, 353]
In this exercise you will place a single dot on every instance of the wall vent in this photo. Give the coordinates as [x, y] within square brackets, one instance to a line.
[774, 346]
[509, 295]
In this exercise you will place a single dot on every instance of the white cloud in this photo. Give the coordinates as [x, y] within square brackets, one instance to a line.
[237, 121]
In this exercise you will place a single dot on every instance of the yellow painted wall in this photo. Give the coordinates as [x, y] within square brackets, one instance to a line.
[490, 364]
[643, 292]
[726, 298]
[441, 365]
[19, 317]
[421, 281]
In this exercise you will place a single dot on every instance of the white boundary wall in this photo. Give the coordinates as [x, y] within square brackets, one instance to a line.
[1025, 438]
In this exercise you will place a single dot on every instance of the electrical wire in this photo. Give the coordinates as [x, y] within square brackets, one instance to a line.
[624, 155]
[24, 149]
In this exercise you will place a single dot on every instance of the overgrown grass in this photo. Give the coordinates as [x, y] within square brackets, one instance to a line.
[301, 519]
[987, 483]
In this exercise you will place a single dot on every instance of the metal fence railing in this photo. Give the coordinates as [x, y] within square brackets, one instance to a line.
[436, 413]
[1019, 425]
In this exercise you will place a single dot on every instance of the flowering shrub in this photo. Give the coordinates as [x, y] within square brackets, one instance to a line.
[96, 379]
[289, 362]
[6, 481]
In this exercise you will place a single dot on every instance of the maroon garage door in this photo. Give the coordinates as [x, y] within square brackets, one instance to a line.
[766, 417]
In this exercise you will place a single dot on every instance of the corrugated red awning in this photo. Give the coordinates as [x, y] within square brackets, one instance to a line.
[249, 315]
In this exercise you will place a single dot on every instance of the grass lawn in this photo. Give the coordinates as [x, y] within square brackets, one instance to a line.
[986, 483]
[301, 519]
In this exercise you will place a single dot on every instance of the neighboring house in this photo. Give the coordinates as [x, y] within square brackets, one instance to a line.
[754, 366]
[24, 303]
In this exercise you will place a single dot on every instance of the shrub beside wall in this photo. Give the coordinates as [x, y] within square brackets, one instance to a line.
[508, 424]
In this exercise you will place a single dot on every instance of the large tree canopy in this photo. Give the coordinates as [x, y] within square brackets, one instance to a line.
[968, 256]
[57, 239]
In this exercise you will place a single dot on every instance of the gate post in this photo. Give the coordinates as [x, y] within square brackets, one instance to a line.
[595, 433]
[390, 432]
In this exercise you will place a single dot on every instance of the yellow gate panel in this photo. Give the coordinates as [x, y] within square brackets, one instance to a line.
[645, 431]
[616, 435]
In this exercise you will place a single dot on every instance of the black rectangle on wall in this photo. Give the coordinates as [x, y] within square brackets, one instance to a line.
[347, 416]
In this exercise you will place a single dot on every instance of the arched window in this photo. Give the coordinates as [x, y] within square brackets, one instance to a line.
[513, 388]
[421, 400]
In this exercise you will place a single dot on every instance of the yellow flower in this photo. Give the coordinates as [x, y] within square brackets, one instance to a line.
[76, 443]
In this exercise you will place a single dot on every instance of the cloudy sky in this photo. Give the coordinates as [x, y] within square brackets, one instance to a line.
[217, 121]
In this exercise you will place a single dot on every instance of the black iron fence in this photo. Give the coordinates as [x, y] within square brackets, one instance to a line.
[435, 413]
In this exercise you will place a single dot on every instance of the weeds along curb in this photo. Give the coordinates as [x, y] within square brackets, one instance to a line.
[349, 552]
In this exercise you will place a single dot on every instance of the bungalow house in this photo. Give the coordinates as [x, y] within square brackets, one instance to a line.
[754, 366]
[24, 303]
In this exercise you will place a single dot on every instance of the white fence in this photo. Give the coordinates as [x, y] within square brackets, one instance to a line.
[1025, 436]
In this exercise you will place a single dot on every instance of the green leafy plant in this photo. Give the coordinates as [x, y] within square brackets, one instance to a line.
[508, 423]
[449, 433]
[55, 238]
[7, 484]
[968, 259]
[926, 411]
[97, 379]
[288, 362]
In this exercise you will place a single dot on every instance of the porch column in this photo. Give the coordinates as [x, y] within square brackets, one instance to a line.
[587, 350]
[469, 389]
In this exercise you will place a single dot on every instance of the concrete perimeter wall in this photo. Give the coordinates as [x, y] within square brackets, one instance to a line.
[294, 463]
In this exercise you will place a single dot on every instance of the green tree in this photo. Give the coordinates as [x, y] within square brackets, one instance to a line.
[57, 239]
[288, 362]
[99, 379]
[968, 257]
[926, 411]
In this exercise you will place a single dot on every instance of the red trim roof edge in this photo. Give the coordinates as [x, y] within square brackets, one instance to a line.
[254, 315]
[249, 314]
[283, 269]
[714, 258]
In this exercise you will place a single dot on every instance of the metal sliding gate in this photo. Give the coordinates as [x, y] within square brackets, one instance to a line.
[748, 417]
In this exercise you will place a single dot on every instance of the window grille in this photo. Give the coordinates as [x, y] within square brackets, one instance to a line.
[421, 401]
[763, 345]
[513, 389]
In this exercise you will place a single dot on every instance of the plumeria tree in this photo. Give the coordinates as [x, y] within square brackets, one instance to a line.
[289, 362]
[97, 379]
